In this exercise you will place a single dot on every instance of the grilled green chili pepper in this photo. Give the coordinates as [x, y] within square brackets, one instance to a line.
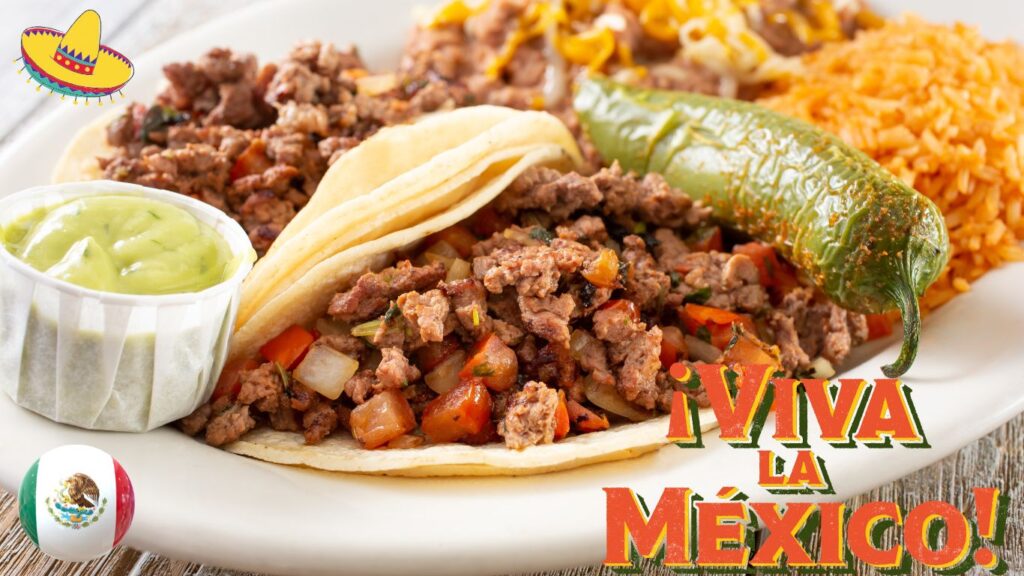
[869, 241]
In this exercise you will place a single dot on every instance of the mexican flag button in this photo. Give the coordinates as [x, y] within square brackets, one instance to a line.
[76, 502]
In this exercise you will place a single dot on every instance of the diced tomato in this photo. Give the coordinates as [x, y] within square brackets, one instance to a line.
[603, 271]
[879, 326]
[229, 382]
[584, 419]
[748, 350]
[486, 434]
[381, 419]
[764, 258]
[707, 240]
[434, 353]
[458, 236]
[405, 441]
[625, 305]
[561, 417]
[288, 347]
[669, 354]
[775, 274]
[493, 362]
[717, 321]
[253, 160]
[486, 221]
[672, 337]
[461, 412]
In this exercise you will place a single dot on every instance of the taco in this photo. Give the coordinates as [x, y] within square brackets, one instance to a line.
[526, 325]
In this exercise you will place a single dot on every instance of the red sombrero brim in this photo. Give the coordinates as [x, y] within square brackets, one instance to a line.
[40, 67]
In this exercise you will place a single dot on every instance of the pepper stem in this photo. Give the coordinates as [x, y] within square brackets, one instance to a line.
[911, 313]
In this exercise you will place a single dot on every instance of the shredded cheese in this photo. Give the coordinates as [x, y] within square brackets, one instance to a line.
[713, 33]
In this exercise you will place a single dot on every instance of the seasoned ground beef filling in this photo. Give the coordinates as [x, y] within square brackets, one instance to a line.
[562, 319]
[255, 140]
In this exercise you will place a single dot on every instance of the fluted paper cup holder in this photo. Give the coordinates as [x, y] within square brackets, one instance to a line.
[111, 361]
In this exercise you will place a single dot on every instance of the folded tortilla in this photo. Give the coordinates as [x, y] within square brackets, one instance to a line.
[343, 215]
[471, 187]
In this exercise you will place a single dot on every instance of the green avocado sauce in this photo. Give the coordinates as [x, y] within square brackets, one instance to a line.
[120, 243]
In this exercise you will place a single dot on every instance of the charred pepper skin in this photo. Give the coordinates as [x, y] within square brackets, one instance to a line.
[869, 241]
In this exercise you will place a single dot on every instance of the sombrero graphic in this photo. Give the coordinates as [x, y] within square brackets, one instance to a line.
[75, 63]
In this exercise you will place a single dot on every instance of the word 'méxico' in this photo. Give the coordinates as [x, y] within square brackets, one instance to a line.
[689, 533]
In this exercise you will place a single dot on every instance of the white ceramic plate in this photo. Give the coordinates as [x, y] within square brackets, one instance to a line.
[203, 504]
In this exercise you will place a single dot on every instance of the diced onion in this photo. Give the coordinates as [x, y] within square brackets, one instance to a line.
[459, 270]
[446, 375]
[578, 342]
[376, 85]
[822, 368]
[326, 370]
[701, 350]
[605, 396]
[367, 329]
[330, 327]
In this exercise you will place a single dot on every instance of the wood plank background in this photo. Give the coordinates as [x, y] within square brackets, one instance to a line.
[132, 26]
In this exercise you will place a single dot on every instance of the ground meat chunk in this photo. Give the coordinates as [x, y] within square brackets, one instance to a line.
[346, 344]
[308, 118]
[265, 215]
[731, 281]
[824, 329]
[195, 422]
[196, 170]
[589, 230]
[262, 388]
[427, 313]
[530, 417]
[636, 348]
[318, 422]
[792, 355]
[669, 249]
[548, 317]
[374, 290]
[394, 370]
[560, 197]
[265, 390]
[229, 425]
[303, 397]
[651, 199]
[637, 376]
[533, 270]
[360, 385]
[593, 359]
[681, 74]
[646, 285]
[469, 300]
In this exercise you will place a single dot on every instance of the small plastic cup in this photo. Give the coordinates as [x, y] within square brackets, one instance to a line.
[110, 361]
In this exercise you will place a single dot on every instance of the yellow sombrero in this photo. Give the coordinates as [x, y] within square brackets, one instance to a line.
[75, 63]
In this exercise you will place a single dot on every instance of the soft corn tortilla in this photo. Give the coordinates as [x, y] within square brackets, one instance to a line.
[305, 300]
[341, 453]
[79, 159]
[400, 202]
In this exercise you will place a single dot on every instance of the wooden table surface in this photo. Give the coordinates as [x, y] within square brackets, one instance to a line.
[133, 26]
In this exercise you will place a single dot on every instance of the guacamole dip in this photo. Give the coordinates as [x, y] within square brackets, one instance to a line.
[121, 243]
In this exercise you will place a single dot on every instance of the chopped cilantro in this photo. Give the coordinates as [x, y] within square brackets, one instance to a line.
[698, 296]
[676, 278]
[542, 234]
[393, 311]
[704, 334]
[624, 270]
[286, 381]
